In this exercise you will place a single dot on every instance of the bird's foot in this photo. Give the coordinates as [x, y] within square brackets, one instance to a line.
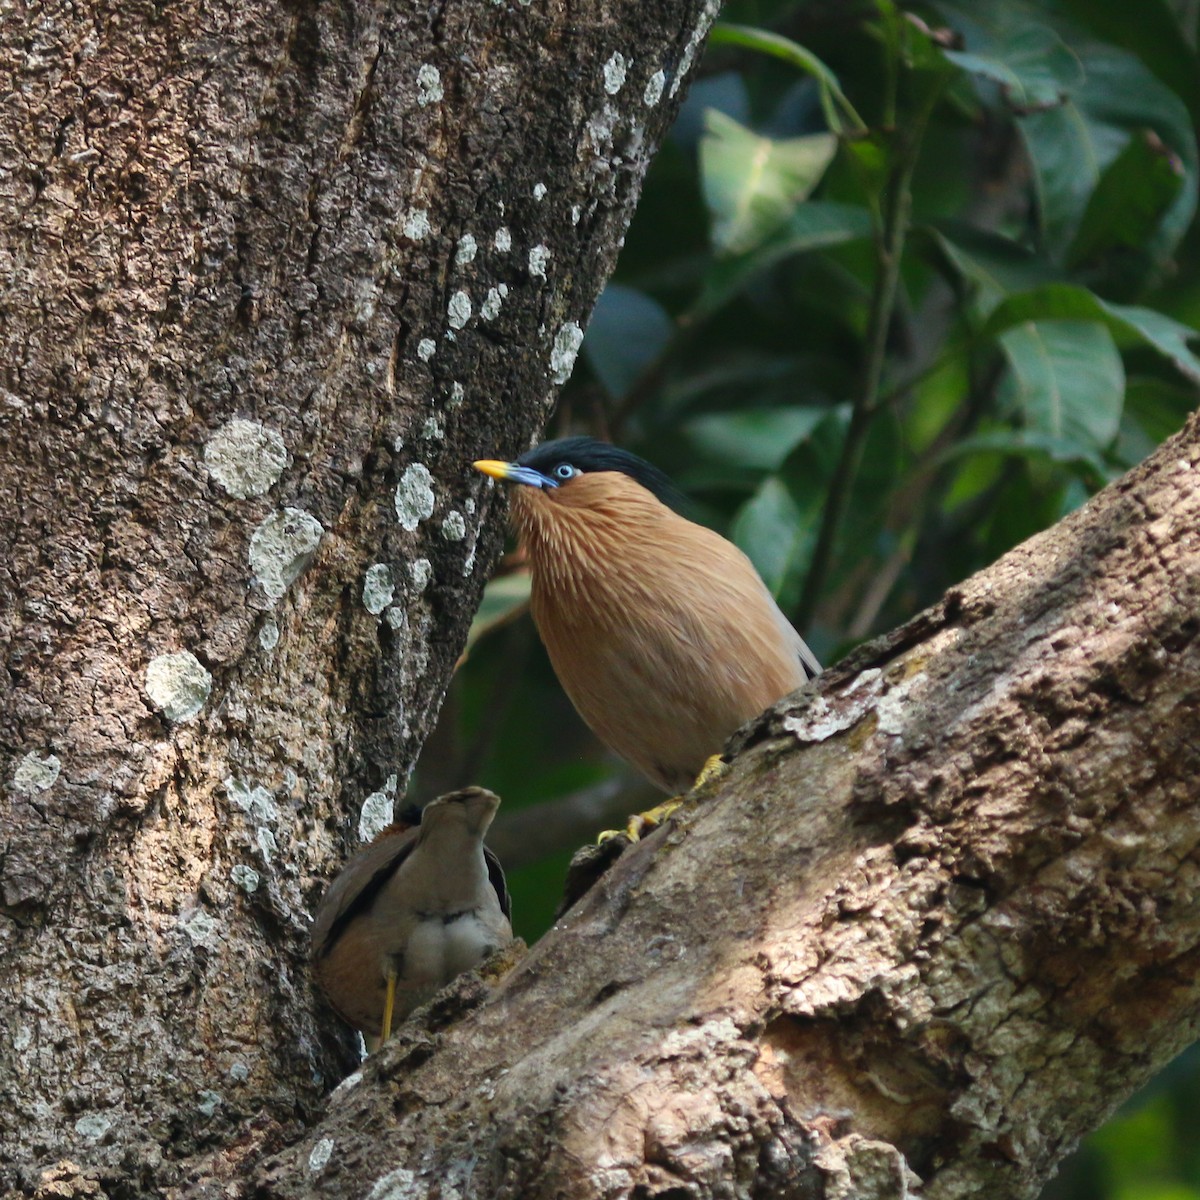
[640, 824]
[714, 767]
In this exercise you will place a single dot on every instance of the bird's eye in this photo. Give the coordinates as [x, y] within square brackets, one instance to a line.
[565, 471]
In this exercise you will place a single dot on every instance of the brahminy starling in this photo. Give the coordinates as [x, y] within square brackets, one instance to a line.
[661, 631]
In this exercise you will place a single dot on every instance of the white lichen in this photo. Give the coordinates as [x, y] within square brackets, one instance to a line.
[376, 815]
[414, 496]
[429, 85]
[378, 588]
[238, 1071]
[178, 685]
[94, 1126]
[600, 128]
[421, 572]
[416, 224]
[208, 1102]
[198, 925]
[346, 1086]
[654, 88]
[245, 457]
[458, 311]
[33, 774]
[564, 351]
[247, 878]
[467, 249]
[489, 310]
[539, 257]
[397, 620]
[432, 429]
[395, 1185]
[539, 191]
[426, 348]
[614, 73]
[253, 799]
[319, 1156]
[268, 635]
[503, 239]
[469, 565]
[698, 34]
[576, 213]
[454, 528]
[457, 395]
[268, 847]
[282, 547]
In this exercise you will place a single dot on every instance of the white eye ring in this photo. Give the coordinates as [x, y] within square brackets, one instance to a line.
[564, 471]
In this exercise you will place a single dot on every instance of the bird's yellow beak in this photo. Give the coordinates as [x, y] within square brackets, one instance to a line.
[513, 473]
[494, 467]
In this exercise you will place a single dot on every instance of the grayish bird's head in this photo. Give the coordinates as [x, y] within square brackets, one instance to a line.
[473, 808]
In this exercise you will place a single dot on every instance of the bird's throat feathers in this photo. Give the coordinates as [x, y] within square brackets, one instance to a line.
[596, 533]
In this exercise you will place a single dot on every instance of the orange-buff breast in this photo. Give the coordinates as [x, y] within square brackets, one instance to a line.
[660, 631]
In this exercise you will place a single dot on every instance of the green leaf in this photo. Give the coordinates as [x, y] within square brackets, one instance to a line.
[1080, 119]
[1071, 146]
[778, 537]
[1128, 204]
[627, 333]
[1067, 380]
[1060, 301]
[1025, 443]
[1034, 66]
[813, 226]
[1149, 30]
[759, 439]
[992, 265]
[752, 184]
[778, 46]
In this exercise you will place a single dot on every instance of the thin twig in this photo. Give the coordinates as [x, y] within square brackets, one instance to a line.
[890, 250]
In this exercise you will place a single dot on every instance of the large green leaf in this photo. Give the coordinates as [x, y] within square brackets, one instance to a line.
[1033, 65]
[1126, 208]
[1075, 123]
[752, 184]
[1065, 302]
[1067, 380]
[1072, 145]
[1149, 30]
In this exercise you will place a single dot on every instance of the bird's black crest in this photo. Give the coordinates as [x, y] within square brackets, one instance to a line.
[587, 454]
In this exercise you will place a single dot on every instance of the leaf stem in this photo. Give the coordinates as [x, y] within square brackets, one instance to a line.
[867, 401]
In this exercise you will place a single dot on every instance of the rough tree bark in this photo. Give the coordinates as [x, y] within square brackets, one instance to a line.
[275, 272]
[937, 921]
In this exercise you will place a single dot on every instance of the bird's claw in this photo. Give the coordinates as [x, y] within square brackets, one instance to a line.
[640, 824]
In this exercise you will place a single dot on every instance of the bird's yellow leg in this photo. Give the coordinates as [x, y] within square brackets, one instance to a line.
[389, 1005]
[642, 823]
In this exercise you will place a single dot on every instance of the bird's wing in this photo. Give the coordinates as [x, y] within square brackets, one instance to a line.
[345, 900]
[808, 660]
[496, 875]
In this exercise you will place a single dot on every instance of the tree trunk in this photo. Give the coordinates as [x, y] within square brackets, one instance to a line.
[936, 922]
[275, 273]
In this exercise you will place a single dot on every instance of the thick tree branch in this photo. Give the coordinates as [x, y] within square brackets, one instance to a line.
[939, 919]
